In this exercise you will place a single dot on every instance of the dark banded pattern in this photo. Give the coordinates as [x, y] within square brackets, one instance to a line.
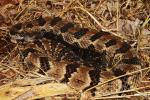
[134, 61]
[76, 44]
[66, 27]
[41, 21]
[70, 69]
[44, 63]
[125, 85]
[85, 52]
[80, 33]
[55, 20]
[95, 77]
[61, 54]
[124, 48]
[91, 47]
[111, 42]
[98, 35]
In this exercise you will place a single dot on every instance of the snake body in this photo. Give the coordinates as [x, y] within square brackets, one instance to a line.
[73, 55]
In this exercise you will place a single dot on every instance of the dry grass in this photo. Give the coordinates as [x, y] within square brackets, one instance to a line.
[126, 19]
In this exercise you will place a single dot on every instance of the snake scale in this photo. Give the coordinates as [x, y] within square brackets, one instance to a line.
[73, 55]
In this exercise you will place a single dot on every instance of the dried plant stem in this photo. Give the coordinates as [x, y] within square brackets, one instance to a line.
[128, 74]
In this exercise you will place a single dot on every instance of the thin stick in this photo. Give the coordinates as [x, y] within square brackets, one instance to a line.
[126, 96]
[125, 91]
[128, 74]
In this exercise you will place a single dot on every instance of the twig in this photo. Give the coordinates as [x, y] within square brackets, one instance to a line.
[128, 74]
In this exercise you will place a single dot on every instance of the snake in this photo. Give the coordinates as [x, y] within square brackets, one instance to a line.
[77, 56]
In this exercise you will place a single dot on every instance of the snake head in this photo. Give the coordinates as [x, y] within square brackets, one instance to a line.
[20, 35]
[28, 31]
